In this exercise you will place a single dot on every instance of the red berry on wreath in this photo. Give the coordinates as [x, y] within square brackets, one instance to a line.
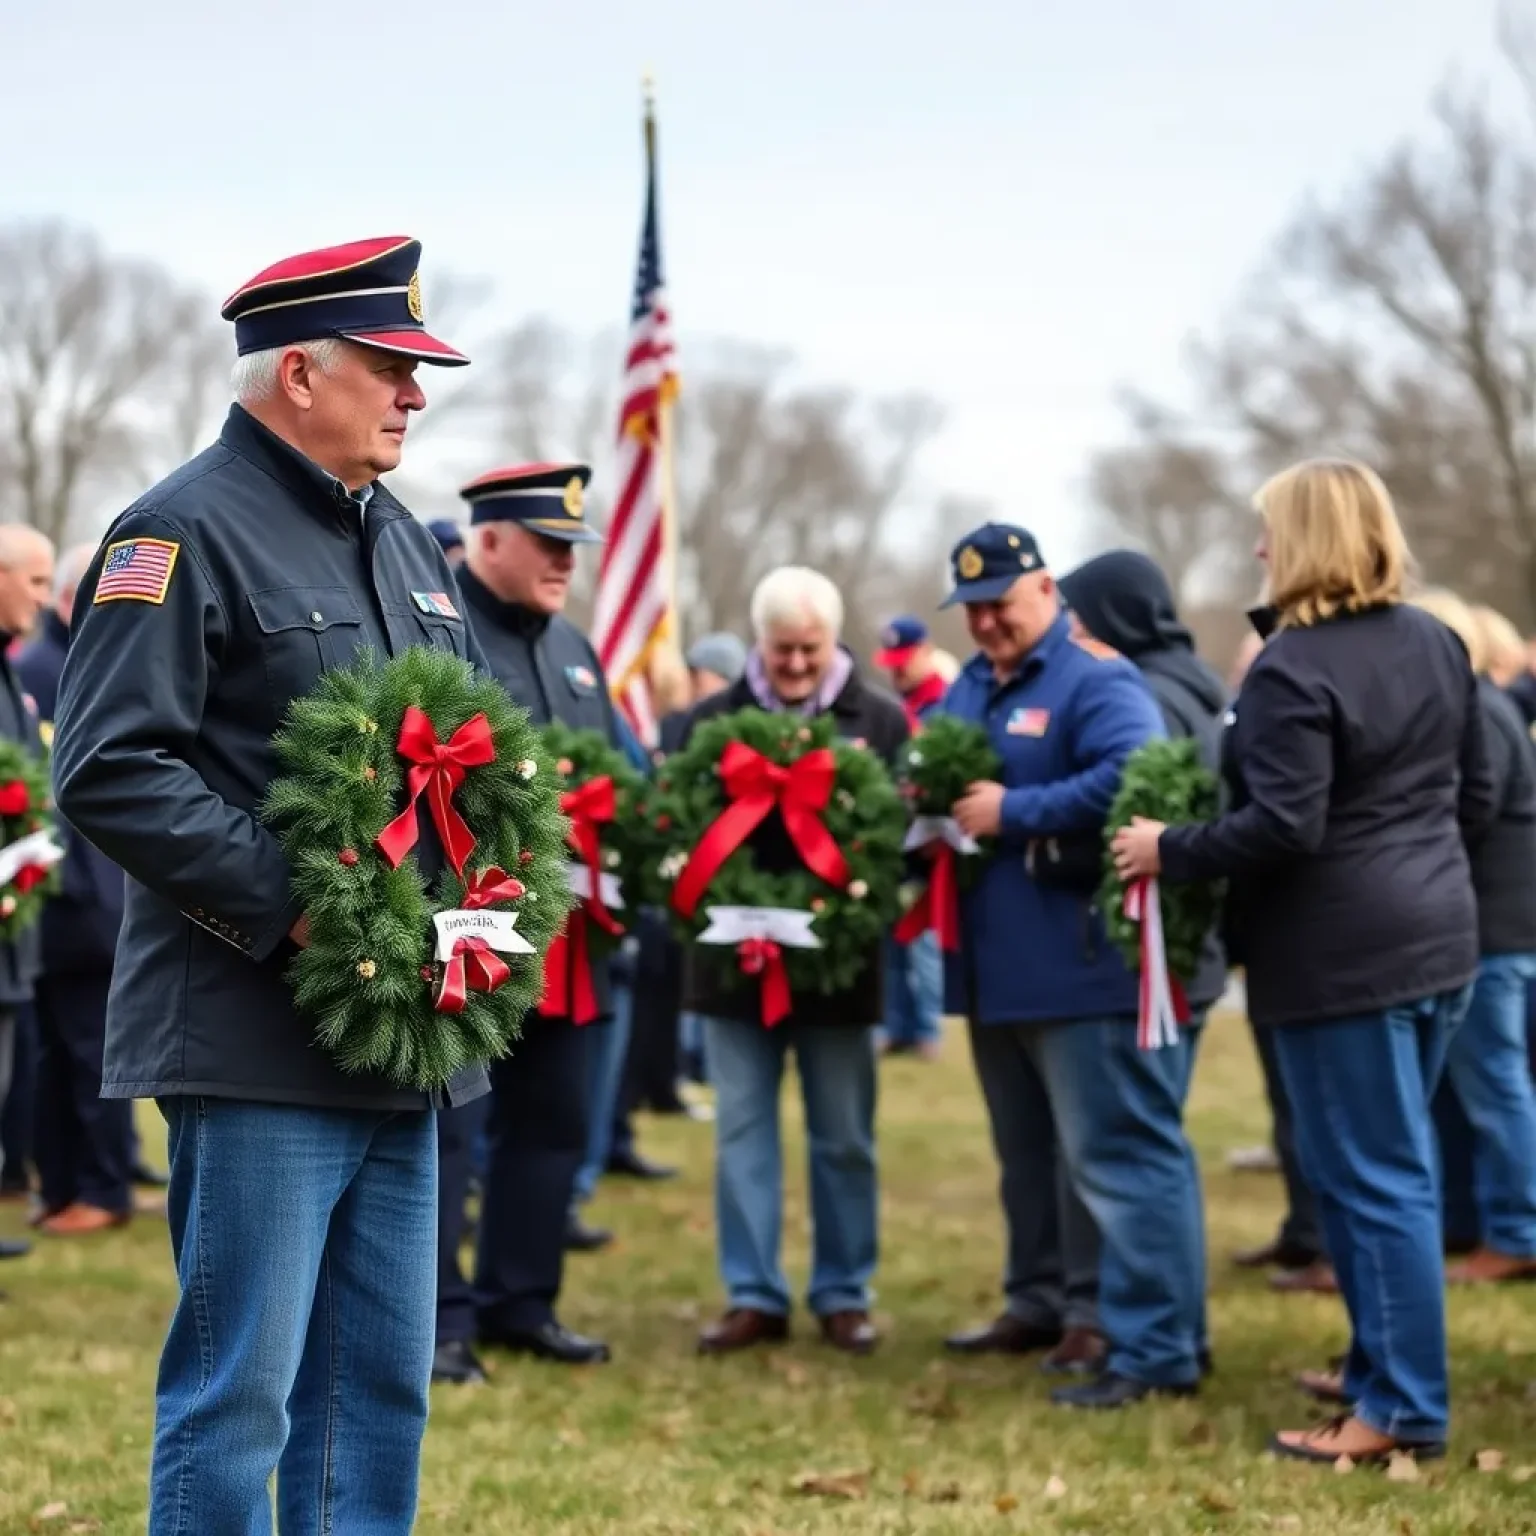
[565, 765]
[426, 973]
[347, 856]
[817, 904]
[663, 822]
[525, 857]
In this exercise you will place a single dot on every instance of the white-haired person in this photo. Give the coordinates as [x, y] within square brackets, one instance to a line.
[796, 666]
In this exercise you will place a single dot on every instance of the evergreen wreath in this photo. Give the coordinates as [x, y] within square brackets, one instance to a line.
[933, 771]
[1163, 781]
[26, 813]
[421, 731]
[862, 823]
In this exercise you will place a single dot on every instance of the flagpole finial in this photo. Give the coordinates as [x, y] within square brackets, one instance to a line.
[648, 87]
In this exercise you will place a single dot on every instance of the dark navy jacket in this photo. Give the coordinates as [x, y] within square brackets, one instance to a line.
[549, 667]
[80, 925]
[162, 753]
[21, 960]
[1063, 725]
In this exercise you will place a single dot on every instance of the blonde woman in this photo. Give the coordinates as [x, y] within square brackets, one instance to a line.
[1359, 757]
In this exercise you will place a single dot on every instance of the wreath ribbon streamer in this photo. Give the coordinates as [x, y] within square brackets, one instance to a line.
[437, 768]
[473, 967]
[763, 958]
[1161, 1004]
[756, 786]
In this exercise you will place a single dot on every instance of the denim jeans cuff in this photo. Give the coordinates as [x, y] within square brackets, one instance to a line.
[1181, 1373]
[1408, 1430]
[760, 1301]
[825, 1303]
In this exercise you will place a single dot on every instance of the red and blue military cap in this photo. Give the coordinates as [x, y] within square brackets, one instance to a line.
[545, 498]
[368, 291]
[987, 562]
[899, 639]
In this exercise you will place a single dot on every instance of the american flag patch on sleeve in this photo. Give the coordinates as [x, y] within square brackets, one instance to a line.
[137, 569]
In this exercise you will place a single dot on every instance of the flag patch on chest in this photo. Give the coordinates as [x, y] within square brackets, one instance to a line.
[138, 570]
[1028, 722]
[435, 602]
[582, 679]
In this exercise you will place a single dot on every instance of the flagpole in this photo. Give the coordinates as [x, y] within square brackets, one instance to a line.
[669, 637]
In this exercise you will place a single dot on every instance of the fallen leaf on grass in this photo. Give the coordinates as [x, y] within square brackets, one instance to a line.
[1405, 1526]
[1522, 1474]
[1402, 1469]
[1287, 1522]
[54, 1511]
[935, 1403]
[911, 1483]
[1217, 1501]
[945, 1493]
[1055, 1488]
[1345, 1464]
[851, 1483]
[1203, 1432]
[80, 1527]
[1488, 1461]
[1005, 1503]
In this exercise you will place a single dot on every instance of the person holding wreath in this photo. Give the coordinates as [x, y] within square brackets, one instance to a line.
[303, 1196]
[1358, 763]
[798, 668]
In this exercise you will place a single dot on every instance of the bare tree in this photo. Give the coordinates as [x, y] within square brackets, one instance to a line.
[106, 374]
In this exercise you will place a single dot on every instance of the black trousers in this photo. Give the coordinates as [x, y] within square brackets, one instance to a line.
[652, 1070]
[535, 1123]
[18, 1100]
[83, 1144]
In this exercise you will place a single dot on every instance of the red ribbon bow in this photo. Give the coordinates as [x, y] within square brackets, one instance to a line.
[28, 877]
[437, 767]
[473, 967]
[939, 905]
[14, 799]
[755, 787]
[491, 885]
[764, 959]
[590, 806]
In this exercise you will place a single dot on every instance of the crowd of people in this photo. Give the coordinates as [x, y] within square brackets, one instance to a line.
[1376, 842]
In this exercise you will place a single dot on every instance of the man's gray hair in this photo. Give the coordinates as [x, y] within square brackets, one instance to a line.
[254, 376]
[795, 594]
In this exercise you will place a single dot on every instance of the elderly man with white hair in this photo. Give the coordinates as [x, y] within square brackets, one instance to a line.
[796, 666]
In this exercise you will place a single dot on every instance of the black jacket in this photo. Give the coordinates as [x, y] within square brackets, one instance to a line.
[861, 713]
[1357, 759]
[1504, 853]
[549, 667]
[80, 925]
[20, 960]
[163, 751]
[1123, 599]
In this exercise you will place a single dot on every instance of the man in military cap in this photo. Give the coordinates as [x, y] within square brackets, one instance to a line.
[1055, 1041]
[451, 537]
[526, 522]
[302, 1198]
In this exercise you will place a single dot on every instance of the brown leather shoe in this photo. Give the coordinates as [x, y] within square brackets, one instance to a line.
[1485, 1267]
[1317, 1278]
[851, 1332]
[1005, 1335]
[741, 1328]
[1082, 1352]
[77, 1220]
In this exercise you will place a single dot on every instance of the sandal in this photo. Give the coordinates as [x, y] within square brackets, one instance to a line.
[1326, 1386]
[1312, 1445]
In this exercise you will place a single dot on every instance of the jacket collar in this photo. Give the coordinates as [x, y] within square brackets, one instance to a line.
[979, 669]
[527, 622]
[315, 488]
[846, 705]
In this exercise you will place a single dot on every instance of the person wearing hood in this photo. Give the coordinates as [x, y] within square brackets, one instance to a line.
[797, 667]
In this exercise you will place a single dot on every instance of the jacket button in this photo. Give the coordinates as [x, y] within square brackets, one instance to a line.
[317, 617]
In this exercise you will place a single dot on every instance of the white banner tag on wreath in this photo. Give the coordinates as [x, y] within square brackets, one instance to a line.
[498, 929]
[784, 925]
[35, 848]
[939, 829]
[579, 877]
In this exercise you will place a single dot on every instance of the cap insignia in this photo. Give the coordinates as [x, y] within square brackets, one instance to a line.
[573, 496]
[413, 297]
[970, 564]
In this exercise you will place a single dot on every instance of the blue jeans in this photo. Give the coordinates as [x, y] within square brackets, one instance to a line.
[302, 1338]
[1486, 1075]
[607, 1051]
[1119, 1118]
[1360, 1091]
[914, 991]
[836, 1065]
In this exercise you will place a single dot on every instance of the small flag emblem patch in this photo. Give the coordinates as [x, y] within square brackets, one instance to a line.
[583, 679]
[435, 602]
[138, 570]
[1029, 722]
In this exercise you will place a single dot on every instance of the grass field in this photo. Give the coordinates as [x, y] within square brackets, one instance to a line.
[799, 1440]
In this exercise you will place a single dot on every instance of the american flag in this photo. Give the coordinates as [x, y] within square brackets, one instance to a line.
[634, 584]
[137, 568]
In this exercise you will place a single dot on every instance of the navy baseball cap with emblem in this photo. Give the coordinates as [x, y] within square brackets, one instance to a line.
[986, 563]
[899, 639]
[447, 533]
[544, 498]
[368, 291]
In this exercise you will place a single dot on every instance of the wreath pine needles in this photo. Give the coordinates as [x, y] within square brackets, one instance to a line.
[939, 764]
[865, 818]
[1163, 781]
[368, 977]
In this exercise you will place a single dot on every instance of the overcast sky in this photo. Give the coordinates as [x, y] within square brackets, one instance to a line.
[1014, 206]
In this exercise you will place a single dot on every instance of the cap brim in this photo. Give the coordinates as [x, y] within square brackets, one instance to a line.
[981, 591]
[568, 533]
[895, 656]
[410, 344]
